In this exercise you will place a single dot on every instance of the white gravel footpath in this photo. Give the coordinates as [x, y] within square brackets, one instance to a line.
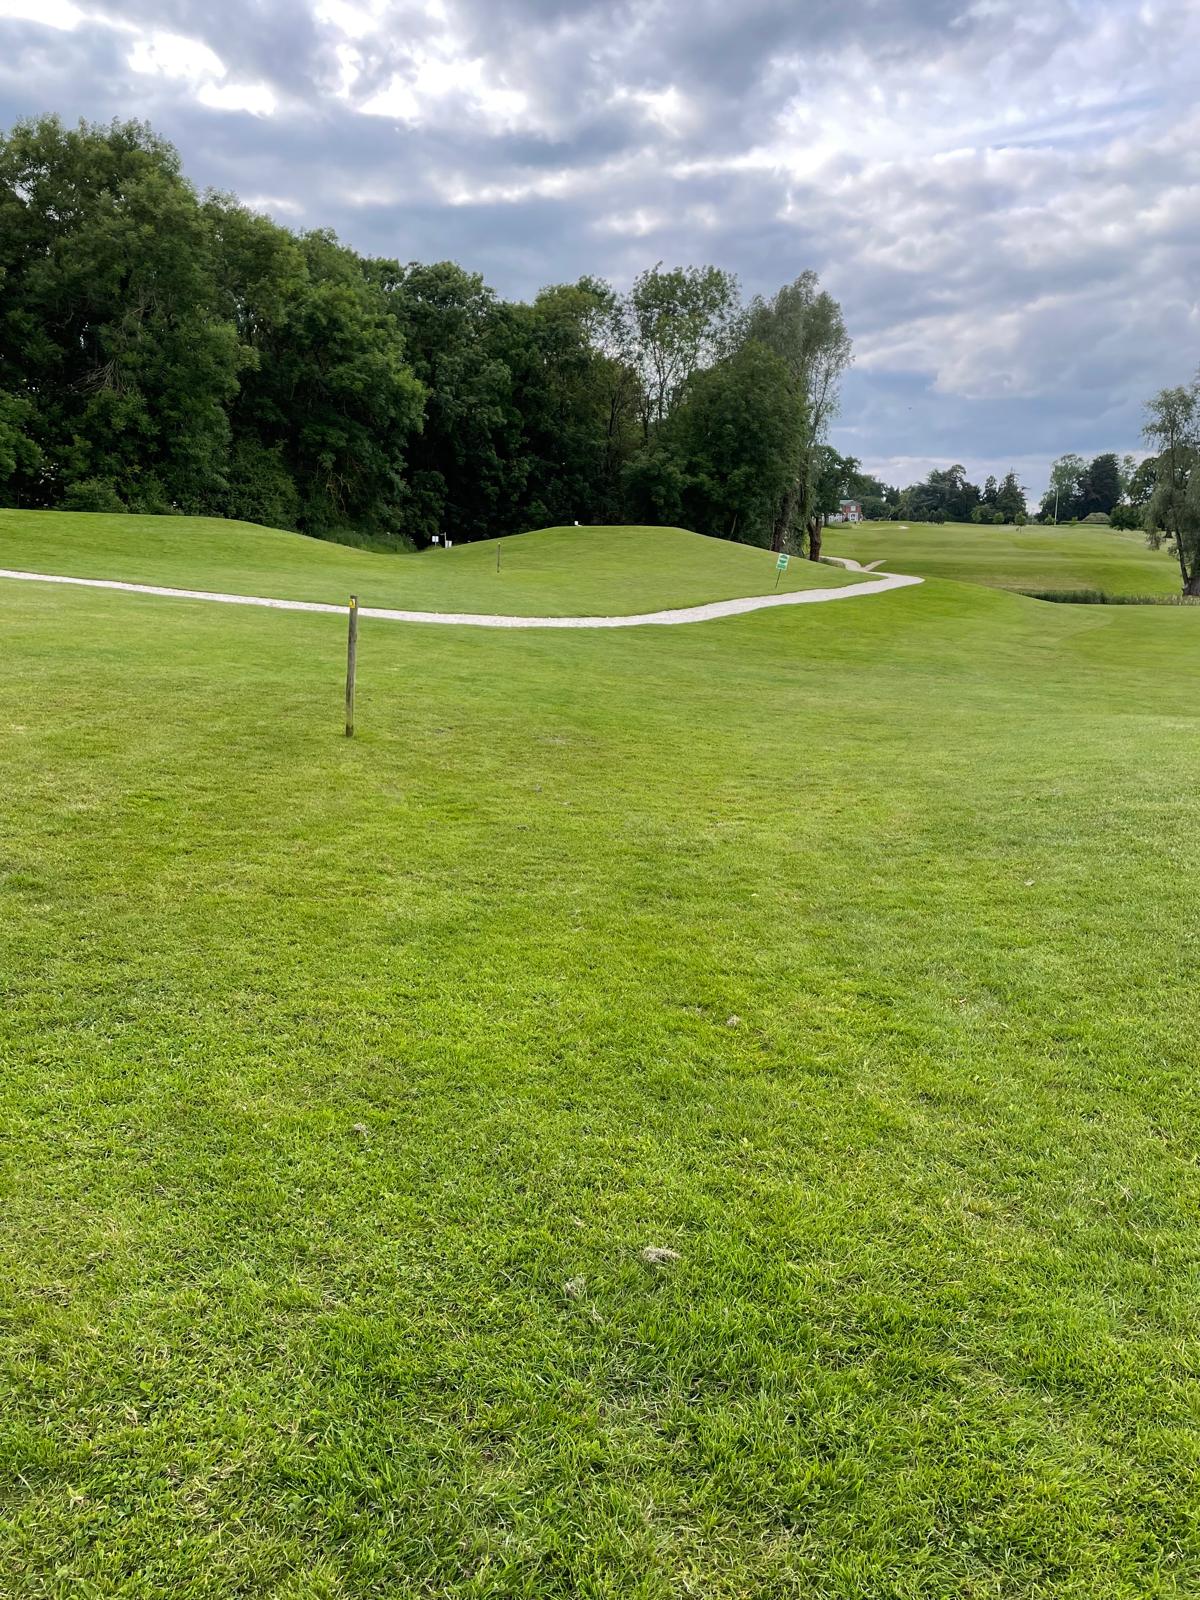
[472, 619]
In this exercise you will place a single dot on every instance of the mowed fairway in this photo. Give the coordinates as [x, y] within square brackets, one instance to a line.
[848, 951]
[553, 572]
[1013, 558]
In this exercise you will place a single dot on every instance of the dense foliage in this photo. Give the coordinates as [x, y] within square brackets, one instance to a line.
[1097, 488]
[1172, 514]
[162, 351]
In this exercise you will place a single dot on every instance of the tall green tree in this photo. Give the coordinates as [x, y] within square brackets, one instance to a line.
[1064, 497]
[469, 466]
[579, 403]
[328, 404]
[1172, 429]
[803, 325]
[1141, 482]
[725, 454]
[110, 327]
[1010, 498]
[1101, 487]
[679, 321]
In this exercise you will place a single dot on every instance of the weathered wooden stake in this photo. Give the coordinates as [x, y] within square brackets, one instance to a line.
[351, 664]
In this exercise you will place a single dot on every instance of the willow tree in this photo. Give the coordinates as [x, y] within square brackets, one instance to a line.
[803, 325]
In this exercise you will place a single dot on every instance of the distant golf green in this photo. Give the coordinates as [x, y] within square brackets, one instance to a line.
[1013, 558]
[554, 572]
[847, 952]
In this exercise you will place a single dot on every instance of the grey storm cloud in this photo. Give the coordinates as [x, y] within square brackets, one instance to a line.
[1005, 198]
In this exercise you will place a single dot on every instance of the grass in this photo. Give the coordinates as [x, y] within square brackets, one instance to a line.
[554, 572]
[848, 951]
[1014, 558]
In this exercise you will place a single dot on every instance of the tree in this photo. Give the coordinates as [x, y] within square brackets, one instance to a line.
[1173, 513]
[110, 327]
[1101, 488]
[952, 493]
[579, 403]
[803, 325]
[18, 452]
[946, 496]
[724, 456]
[1064, 497]
[878, 501]
[679, 321]
[1141, 482]
[834, 478]
[468, 467]
[162, 353]
[328, 405]
[1010, 498]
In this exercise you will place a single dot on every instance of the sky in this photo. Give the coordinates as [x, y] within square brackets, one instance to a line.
[1004, 196]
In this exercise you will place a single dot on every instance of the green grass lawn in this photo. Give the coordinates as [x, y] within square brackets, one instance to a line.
[847, 951]
[554, 572]
[1013, 558]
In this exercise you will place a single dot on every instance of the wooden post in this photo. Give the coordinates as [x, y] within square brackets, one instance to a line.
[497, 557]
[351, 664]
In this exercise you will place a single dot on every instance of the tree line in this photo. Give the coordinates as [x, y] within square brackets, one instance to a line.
[165, 351]
[1109, 488]
[945, 495]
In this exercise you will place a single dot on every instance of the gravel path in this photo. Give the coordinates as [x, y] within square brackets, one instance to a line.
[471, 619]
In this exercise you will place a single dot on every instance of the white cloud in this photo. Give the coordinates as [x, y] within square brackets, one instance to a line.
[59, 14]
[273, 204]
[399, 99]
[190, 61]
[256, 98]
[638, 224]
[666, 109]
[173, 56]
[437, 89]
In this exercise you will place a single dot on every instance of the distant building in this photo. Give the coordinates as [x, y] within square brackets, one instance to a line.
[847, 511]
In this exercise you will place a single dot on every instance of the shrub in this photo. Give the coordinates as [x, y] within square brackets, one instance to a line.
[93, 494]
[1098, 517]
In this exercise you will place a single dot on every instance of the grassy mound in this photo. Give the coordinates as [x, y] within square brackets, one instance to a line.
[553, 572]
[1014, 558]
[847, 952]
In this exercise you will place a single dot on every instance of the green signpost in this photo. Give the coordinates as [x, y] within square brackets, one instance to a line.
[780, 566]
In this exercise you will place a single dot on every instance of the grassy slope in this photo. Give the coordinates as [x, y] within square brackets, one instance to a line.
[934, 1329]
[554, 572]
[1014, 558]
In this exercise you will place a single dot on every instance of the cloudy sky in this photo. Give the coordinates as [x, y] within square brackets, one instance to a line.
[1004, 195]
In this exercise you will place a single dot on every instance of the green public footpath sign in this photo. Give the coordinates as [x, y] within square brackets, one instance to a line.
[781, 564]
